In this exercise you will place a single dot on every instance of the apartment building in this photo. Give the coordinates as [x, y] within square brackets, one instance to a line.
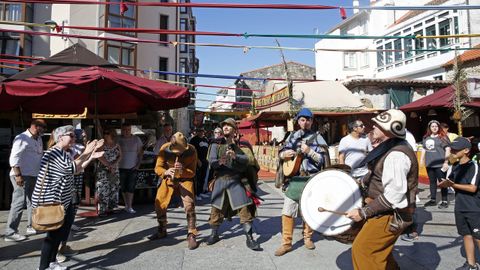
[421, 65]
[142, 59]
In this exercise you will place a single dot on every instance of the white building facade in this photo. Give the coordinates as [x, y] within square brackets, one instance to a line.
[422, 65]
[139, 58]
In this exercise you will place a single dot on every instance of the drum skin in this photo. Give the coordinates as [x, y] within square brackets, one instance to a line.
[334, 190]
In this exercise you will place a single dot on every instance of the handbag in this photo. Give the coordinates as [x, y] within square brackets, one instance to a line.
[47, 217]
[296, 186]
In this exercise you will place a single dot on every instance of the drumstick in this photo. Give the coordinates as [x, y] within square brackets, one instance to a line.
[321, 209]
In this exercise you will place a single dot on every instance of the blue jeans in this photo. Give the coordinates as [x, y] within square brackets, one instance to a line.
[20, 196]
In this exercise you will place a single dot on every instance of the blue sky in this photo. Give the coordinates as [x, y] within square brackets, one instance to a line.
[227, 61]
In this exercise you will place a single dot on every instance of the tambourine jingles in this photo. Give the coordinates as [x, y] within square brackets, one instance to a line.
[326, 198]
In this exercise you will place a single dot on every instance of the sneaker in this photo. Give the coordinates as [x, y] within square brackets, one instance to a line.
[131, 211]
[67, 251]
[14, 237]
[30, 231]
[75, 228]
[467, 266]
[430, 203]
[443, 205]
[56, 266]
[61, 258]
[409, 237]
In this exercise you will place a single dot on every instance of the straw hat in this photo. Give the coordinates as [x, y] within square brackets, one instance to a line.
[178, 143]
[392, 121]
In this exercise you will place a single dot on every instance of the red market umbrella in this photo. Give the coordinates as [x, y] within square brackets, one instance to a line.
[440, 99]
[103, 91]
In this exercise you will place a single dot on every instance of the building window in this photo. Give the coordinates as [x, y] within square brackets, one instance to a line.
[163, 66]
[183, 24]
[364, 59]
[408, 48]
[11, 12]
[380, 57]
[397, 44]
[444, 29]
[388, 53]
[9, 44]
[438, 78]
[349, 60]
[183, 47]
[121, 53]
[115, 19]
[431, 42]
[455, 28]
[164, 26]
[419, 42]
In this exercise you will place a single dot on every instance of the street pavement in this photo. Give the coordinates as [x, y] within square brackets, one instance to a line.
[120, 242]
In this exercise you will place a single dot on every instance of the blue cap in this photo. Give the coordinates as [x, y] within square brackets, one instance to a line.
[304, 113]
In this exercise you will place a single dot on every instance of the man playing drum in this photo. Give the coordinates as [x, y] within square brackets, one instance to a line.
[311, 145]
[391, 187]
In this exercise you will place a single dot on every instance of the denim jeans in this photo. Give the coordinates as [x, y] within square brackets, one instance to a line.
[20, 196]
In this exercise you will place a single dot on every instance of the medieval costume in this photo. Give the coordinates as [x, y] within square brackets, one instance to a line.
[313, 147]
[176, 165]
[229, 195]
[391, 186]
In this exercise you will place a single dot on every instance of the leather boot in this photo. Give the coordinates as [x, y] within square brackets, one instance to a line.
[251, 243]
[192, 241]
[213, 238]
[161, 233]
[307, 236]
[287, 232]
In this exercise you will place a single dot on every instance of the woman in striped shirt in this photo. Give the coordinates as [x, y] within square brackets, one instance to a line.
[55, 183]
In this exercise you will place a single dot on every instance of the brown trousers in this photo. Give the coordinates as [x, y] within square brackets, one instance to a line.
[372, 248]
[217, 216]
[164, 195]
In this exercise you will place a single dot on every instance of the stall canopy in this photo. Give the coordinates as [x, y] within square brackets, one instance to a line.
[440, 99]
[100, 87]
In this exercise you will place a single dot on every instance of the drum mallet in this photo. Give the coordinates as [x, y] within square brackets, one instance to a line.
[321, 209]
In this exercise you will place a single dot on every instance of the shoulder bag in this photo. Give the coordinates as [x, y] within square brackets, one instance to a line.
[47, 217]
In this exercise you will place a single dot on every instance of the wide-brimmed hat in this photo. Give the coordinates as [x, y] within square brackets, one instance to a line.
[178, 143]
[392, 121]
[229, 121]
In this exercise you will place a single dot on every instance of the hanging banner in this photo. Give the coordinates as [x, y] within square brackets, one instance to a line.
[271, 100]
[473, 86]
[198, 118]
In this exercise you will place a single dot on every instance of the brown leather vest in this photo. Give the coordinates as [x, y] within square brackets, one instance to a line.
[374, 180]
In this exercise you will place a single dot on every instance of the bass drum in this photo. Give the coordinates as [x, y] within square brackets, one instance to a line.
[333, 190]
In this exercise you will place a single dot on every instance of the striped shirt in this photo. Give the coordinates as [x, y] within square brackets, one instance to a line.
[58, 179]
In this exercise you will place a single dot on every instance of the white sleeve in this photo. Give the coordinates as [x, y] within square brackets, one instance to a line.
[18, 147]
[342, 145]
[394, 178]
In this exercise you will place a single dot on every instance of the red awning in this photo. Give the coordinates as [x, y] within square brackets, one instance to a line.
[100, 90]
[440, 99]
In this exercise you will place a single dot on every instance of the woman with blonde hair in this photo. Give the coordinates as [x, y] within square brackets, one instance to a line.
[108, 176]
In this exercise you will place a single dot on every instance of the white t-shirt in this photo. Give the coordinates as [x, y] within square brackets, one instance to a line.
[130, 147]
[355, 150]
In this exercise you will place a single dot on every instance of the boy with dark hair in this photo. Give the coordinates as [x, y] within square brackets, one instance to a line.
[464, 178]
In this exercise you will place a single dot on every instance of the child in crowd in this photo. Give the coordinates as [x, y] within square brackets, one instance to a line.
[464, 178]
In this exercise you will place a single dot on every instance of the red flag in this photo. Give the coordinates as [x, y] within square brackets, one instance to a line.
[343, 13]
[123, 8]
[58, 28]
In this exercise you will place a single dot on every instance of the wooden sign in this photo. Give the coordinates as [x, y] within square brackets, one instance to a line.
[60, 116]
[271, 100]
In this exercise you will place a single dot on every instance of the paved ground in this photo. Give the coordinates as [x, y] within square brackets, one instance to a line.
[120, 242]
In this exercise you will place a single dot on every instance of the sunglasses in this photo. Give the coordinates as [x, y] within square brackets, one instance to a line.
[106, 133]
[71, 135]
[362, 125]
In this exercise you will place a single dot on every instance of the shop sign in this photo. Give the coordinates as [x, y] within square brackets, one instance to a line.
[273, 99]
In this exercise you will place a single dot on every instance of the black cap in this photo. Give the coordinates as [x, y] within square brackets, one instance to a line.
[460, 143]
